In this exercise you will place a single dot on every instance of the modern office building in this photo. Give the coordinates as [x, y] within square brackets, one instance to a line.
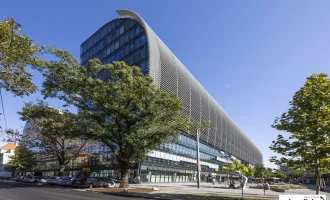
[130, 39]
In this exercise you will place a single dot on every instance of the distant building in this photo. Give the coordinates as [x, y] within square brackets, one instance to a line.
[283, 167]
[5, 153]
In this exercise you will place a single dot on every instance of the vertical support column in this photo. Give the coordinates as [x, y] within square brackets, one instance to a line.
[198, 164]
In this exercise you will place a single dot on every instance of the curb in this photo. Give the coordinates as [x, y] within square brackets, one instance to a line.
[134, 195]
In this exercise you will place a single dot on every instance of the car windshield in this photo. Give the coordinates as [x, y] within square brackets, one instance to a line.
[66, 178]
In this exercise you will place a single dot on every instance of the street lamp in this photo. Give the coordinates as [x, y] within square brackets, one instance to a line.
[198, 164]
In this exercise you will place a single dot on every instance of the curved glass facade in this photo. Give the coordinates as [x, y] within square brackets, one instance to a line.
[131, 40]
[118, 40]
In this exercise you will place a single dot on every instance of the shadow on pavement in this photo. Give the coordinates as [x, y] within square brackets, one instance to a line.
[13, 184]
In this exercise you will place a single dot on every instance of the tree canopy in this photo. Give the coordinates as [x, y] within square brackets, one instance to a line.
[121, 104]
[308, 123]
[57, 133]
[23, 160]
[234, 167]
[17, 51]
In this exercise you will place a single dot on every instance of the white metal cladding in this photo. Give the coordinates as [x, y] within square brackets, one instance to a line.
[170, 75]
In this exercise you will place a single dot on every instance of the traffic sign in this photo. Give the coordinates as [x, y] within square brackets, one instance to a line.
[260, 169]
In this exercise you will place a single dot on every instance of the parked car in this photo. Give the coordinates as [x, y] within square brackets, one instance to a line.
[26, 179]
[20, 178]
[87, 182]
[65, 181]
[107, 182]
[54, 180]
[37, 179]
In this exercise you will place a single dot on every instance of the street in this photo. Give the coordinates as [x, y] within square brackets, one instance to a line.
[26, 191]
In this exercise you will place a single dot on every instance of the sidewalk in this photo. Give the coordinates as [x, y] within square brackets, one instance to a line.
[168, 189]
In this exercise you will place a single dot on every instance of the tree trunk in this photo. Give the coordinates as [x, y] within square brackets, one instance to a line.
[61, 170]
[124, 176]
[318, 183]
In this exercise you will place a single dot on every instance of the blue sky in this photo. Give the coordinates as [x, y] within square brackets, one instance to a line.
[251, 56]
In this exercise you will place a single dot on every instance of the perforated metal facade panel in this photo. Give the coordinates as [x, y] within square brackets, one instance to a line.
[171, 76]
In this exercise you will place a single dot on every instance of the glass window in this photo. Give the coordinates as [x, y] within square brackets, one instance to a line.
[143, 40]
[136, 57]
[131, 34]
[142, 53]
[118, 56]
[112, 47]
[117, 32]
[143, 66]
[137, 43]
[121, 30]
[122, 53]
[113, 36]
[117, 45]
[137, 30]
[126, 50]
[121, 39]
[131, 60]
[126, 37]
[131, 48]
[108, 51]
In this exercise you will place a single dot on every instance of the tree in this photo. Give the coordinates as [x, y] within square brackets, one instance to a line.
[58, 134]
[295, 172]
[121, 104]
[280, 174]
[17, 51]
[258, 173]
[23, 160]
[250, 172]
[234, 167]
[268, 173]
[308, 123]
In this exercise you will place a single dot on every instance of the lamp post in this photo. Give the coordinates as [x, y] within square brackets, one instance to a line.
[198, 164]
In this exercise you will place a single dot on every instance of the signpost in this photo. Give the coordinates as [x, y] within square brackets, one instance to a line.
[262, 169]
[263, 180]
[241, 173]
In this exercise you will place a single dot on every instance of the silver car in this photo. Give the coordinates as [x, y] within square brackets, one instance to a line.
[54, 180]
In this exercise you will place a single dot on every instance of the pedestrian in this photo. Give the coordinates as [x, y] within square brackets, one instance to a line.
[213, 181]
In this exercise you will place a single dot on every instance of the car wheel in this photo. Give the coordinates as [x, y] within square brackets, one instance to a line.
[106, 185]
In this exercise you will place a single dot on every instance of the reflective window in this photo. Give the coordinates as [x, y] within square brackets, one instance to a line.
[131, 48]
[143, 40]
[136, 56]
[121, 30]
[142, 53]
[122, 53]
[143, 66]
[126, 37]
[137, 30]
[118, 56]
[117, 45]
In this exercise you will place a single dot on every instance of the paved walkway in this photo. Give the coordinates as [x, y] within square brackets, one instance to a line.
[208, 188]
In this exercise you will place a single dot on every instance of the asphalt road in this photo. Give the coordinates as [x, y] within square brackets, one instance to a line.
[26, 191]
